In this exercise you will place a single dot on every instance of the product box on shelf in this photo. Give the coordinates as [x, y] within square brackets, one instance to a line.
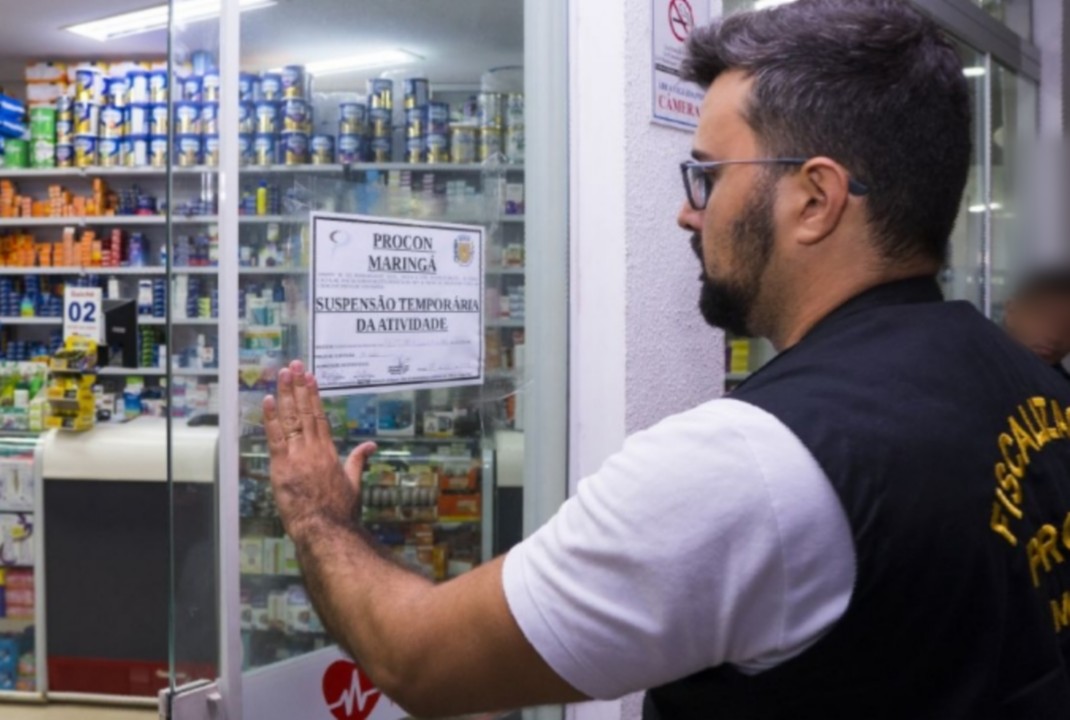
[16, 548]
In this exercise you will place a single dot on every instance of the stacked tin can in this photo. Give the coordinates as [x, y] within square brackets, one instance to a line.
[275, 118]
[380, 121]
[43, 137]
[352, 131]
[89, 98]
[196, 115]
[426, 124]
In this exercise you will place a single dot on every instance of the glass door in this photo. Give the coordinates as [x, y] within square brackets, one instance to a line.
[408, 113]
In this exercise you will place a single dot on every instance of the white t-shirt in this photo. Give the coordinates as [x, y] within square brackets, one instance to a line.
[713, 537]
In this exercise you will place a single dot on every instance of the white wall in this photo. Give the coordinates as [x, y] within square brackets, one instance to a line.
[639, 348]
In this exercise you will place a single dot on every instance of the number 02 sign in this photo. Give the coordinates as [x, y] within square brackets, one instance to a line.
[83, 313]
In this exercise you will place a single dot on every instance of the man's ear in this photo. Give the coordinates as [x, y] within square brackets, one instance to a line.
[817, 198]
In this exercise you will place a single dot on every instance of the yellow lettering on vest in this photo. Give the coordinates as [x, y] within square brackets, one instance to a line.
[1039, 407]
[1059, 417]
[1041, 550]
[1036, 432]
[1010, 484]
[1066, 532]
[1006, 442]
[1023, 439]
[999, 525]
[1006, 503]
[1060, 611]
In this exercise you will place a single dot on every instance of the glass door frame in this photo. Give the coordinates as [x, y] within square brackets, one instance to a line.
[546, 59]
[998, 44]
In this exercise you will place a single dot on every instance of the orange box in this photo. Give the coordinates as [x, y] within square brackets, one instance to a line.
[466, 506]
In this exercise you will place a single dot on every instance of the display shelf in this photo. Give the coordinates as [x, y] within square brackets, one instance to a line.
[737, 376]
[506, 271]
[107, 220]
[155, 372]
[36, 320]
[82, 270]
[14, 508]
[331, 169]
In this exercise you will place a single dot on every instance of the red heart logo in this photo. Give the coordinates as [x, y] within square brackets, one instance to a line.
[349, 694]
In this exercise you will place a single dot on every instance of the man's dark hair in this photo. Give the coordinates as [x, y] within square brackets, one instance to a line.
[872, 84]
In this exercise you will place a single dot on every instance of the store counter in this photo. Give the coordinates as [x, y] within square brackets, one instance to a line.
[108, 509]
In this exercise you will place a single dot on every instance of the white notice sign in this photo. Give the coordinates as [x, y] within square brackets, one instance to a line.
[83, 314]
[676, 103]
[396, 304]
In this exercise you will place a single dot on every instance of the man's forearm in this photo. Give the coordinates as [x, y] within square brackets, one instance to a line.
[361, 596]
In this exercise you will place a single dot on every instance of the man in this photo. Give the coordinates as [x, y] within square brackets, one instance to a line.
[859, 532]
[1038, 316]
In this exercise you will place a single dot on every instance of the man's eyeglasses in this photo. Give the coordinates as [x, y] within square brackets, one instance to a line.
[698, 180]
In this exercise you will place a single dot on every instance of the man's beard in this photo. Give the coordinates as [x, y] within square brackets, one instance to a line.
[728, 303]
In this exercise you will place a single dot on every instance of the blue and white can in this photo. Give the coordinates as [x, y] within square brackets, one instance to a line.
[117, 91]
[381, 93]
[293, 81]
[381, 150]
[437, 148]
[189, 150]
[210, 118]
[110, 150]
[85, 150]
[187, 118]
[86, 118]
[112, 122]
[265, 150]
[438, 118]
[381, 122]
[158, 86]
[294, 148]
[211, 87]
[158, 151]
[89, 85]
[417, 93]
[65, 155]
[65, 132]
[295, 115]
[414, 149]
[139, 93]
[211, 150]
[246, 155]
[267, 117]
[248, 87]
[246, 118]
[322, 149]
[350, 149]
[136, 150]
[158, 120]
[193, 89]
[137, 119]
[353, 117]
[415, 122]
[271, 87]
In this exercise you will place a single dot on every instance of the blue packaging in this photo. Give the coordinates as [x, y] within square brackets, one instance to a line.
[248, 87]
[157, 120]
[271, 87]
[12, 129]
[203, 62]
[246, 118]
[189, 150]
[265, 150]
[187, 118]
[136, 250]
[267, 117]
[350, 149]
[139, 90]
[210, 118]
[210, 87]
[158, 86]
[193, 89]
[246, 153]
[137, 119]
[11, 106]
[117, 91]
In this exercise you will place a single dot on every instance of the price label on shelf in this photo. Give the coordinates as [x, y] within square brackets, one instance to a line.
[83, 313]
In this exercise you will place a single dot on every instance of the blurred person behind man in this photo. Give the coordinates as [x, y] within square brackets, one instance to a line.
[1038, 316]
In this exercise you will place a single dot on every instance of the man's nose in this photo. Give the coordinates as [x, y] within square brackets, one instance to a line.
[689, 218]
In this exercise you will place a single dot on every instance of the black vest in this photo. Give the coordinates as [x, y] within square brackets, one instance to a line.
[949, 447]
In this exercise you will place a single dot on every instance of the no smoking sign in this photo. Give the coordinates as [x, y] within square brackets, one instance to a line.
[681, 19]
